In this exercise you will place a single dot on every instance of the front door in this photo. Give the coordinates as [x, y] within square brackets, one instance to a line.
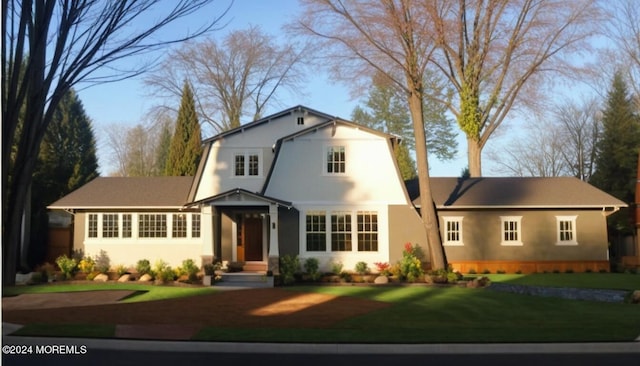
[251, 238]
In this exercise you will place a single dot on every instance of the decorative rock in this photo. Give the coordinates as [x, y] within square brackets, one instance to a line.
[101, 278]
[635, 297]
[124, 278]
[380, 280]
[145, 278]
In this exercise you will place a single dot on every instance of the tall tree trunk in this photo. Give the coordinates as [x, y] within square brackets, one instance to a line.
[427, 208]
[474, 154]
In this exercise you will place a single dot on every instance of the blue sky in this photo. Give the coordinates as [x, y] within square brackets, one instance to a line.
[126, 102]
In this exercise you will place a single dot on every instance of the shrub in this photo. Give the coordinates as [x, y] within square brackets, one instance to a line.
[68, 266]
[86, 265]
[47, 269]
[336, 267]
[166, 274]
[102, 262]
[311, 267]
[410, 264]
[210, 268]
[143, 267]
[121, 270]
[362, 268]
[190, 269]
[158, 267]
[289, 266]
[383, 268]
[472, 271]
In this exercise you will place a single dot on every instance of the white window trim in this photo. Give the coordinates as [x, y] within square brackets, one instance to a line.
[517, 219]
[453, 243]
[353, 211]
[325, 162]
[135, 234]
[574, 232]
[246, 154]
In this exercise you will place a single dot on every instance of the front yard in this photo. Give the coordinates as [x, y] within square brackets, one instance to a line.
[404, 314]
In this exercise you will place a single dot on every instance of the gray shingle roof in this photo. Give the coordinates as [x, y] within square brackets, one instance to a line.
[125, 192]
[533, 192]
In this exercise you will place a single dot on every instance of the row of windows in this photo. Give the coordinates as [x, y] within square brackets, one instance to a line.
[511, 230]
[248, 164]
[339, 235]
[152, 225]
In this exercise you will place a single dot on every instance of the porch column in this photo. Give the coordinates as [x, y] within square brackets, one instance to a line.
[274, 250]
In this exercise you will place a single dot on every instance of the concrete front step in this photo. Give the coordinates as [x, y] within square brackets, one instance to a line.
[246, 279]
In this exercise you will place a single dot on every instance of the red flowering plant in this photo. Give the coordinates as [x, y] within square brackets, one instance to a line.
[383, 268]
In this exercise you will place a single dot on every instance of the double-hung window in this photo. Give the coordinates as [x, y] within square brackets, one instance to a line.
[336, 160]
[341, 231]
[92, 227]
[179, 226]
[511, 230]
[367, 231]
[452, 230]
[110, 226]
[566, 230]
[152, 226]
[246, 165]
[316, 223]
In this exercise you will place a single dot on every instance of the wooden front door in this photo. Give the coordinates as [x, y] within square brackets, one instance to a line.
[252, 238]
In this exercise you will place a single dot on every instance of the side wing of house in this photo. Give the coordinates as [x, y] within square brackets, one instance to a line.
[344, 182]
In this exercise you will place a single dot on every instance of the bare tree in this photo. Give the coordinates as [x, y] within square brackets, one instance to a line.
[50, 46]
[231, 79]
[579, 128]
[134, 150]
[538, 151]
[624, 30]
[495, 54]
[560, 142]
[392, 38]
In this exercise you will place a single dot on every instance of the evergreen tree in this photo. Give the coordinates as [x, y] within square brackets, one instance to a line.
[162, 150]
[617, 150]
[186, 144]
[385, 110]
[67, 160]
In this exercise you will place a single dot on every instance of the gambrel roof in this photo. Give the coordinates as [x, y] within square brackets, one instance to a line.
[514, 192]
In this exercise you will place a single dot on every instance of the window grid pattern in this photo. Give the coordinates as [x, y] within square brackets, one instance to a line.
[126, 226]
[110, 226]
[253, 165]
[316, 223]
[367, 231]
[93, 226]
[179, 226]
[341, 232]
[453, 231]
[566, 230]
[195, 225]
[510, 230]
[239, 165]
[336, 159]
[152, 226]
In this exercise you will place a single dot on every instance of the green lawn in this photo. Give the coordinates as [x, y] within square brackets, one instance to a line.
[423, 314]
[143, 292]
[432, 315]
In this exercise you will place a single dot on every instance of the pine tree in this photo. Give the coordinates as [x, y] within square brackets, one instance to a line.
[186, 144]
[617, 149]
[162, 150]
[67, 160]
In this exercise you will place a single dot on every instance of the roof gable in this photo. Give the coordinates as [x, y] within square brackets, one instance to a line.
[514, 192]
[128, 192]
[261, 121]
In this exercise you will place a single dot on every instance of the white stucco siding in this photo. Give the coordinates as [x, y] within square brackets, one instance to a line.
[128, 254]
[300, 174]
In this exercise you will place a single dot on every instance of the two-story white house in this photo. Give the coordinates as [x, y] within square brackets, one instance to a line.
[305, 183]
